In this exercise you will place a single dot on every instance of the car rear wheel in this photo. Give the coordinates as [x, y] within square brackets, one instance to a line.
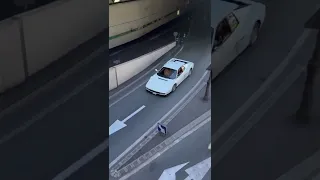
[254, 33]
[190, 72]
[174, 87]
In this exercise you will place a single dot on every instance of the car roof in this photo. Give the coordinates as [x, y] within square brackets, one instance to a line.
[175, 63]
[221, 8]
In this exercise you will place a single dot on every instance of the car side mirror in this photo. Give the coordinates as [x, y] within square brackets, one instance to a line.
[156, 70]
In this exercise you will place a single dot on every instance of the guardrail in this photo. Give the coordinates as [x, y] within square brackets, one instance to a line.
[31, 41]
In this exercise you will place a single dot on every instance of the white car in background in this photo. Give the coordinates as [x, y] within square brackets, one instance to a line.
[235, 25]
[169, 77]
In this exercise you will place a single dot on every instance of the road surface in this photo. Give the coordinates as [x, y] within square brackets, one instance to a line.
[264, 142]
[189, 150]
[45, 135]
[66, 126]
[274, 145]
[195, 49]
[96, 169]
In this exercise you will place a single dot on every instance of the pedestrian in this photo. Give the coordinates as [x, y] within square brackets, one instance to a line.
[303, 113]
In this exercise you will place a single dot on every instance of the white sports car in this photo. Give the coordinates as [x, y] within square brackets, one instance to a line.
[169, 77]
[235, 26]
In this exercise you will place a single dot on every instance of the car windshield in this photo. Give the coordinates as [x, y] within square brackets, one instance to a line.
[167, 73]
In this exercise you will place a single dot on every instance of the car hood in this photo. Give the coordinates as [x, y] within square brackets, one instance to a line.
[160, 84]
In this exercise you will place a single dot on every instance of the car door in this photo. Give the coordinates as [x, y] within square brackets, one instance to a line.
[181, 75]
[185, 71]
[240, 32]
[224, 46]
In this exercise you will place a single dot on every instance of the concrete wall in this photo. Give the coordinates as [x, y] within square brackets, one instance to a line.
[52, 31]
[125, 17]
[47, 34]
[135, 34]
[131, 11]
[125, 71]
[11, 61]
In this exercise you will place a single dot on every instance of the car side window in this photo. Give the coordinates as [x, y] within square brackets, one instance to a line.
[232, 21]
[225, 28]
[180, 71]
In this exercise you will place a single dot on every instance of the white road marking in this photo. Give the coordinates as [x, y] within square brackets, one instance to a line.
[166, 148]
[198, 171]
[135, 81]
[52, 82]
[262, 88]
[81, 162]
[306, 168]
[170, 173]
[117, 125]
[160, 121]
[167, 121]
[156, 36]
[117, 52]
[134, 113]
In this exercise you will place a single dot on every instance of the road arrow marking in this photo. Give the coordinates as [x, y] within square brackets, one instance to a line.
[170, 174]
[117, 125]
[198, 171]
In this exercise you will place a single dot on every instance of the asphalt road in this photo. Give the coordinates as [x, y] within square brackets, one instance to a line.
[57, 127]
[180, 154]
[96, 169]
[74, 127]
[278, 35]
[274, 145]
[195, 49]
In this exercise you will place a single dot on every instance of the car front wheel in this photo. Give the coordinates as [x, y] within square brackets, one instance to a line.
[254, 33]
[190, 72]
[174, 87]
